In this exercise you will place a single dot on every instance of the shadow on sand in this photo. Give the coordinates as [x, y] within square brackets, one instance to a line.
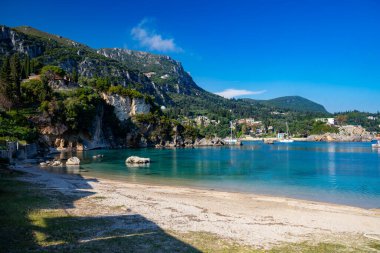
[26, 229]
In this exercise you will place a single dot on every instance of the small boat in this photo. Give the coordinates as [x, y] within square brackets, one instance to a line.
[285, 138]
[377, 144]
[231, 140]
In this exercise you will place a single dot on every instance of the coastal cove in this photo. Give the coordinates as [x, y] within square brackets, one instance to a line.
[340, 173]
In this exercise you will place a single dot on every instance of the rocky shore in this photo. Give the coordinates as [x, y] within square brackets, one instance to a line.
[346, 134]
[200, 142]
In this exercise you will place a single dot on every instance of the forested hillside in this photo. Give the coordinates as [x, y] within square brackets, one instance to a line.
[46, 74]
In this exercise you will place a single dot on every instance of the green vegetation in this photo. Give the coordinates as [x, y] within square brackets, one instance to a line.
[15, 126]
[159, 79]
[35, 92]
[321, 128]
[370, 121]
[50, 73]
[294, 103]
[120, 90]
[80, 108]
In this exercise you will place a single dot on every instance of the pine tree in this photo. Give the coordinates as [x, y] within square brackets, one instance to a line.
[5, 76]
[5, 85]
[74, 75]
[27, 66]
[15, 67]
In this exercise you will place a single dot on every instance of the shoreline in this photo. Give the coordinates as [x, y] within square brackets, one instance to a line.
[232, 215]
[161, 183]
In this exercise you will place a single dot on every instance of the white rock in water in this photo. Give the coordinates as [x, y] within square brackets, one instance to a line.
[57, 163]
[73, 161]
[43, 164]
[136, 159]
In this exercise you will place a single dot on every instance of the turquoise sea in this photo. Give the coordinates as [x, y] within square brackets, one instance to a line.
[342, 173]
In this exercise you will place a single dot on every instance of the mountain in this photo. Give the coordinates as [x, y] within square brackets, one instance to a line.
[159, 76]
[292, 103]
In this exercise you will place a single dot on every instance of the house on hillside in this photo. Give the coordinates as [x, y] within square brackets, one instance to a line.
[328, 121]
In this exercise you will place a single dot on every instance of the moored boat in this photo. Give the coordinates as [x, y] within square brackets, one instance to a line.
[285, 138]
[231, 140]
[377, 144]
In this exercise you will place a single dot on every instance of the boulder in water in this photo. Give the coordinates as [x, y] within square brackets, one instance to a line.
[137, 160]
[73, 161]
[56, 164]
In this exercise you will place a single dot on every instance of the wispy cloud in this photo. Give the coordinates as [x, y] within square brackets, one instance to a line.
[230, 93]
[153, 40]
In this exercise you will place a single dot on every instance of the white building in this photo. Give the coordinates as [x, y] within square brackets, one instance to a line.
[329, 121]
[371, 117]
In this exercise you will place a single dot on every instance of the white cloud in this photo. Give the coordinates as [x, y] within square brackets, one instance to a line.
[153, 40]
[230, 93]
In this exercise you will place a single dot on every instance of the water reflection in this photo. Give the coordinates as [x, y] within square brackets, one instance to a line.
[74, 169]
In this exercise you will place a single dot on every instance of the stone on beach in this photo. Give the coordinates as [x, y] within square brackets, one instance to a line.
[73, 161]
[138, 160]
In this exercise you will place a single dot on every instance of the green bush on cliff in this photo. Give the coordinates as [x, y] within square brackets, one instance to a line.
[34, 91]
[80, 108]
[120, 90]
[50, 73]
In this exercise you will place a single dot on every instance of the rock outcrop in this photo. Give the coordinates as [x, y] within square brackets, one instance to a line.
[125, 107]
[137, 160]
[73, 161]
[209, 142]
[347, 133]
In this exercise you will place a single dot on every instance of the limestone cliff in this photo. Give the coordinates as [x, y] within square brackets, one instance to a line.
[101, 133]
[125, 107]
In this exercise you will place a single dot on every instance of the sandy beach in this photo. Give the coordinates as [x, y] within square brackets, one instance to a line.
[247, 219]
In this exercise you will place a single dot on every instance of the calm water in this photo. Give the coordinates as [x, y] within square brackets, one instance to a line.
[344, 173]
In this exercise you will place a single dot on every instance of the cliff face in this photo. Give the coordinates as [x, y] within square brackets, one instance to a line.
[13, 41]
[100, 134]
[167, 75]
[125, 107]
[69, 55]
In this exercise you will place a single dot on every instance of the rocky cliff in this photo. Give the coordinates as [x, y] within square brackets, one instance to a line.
[104, 131]
[125, 107]
[347, 133]
[167, 74]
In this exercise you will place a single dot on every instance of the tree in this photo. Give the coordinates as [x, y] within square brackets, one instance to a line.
[34, 91]
[15, 75]
[26, 66]
[35, 66]
[50, 73]
[5, 102]
[341, 119]
[74, 75]
[5, 85]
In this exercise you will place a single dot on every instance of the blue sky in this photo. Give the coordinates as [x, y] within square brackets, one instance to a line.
[326, 51]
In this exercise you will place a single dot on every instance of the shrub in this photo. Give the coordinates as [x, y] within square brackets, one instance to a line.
[34, 91]
[50, 73]
[120, 90]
